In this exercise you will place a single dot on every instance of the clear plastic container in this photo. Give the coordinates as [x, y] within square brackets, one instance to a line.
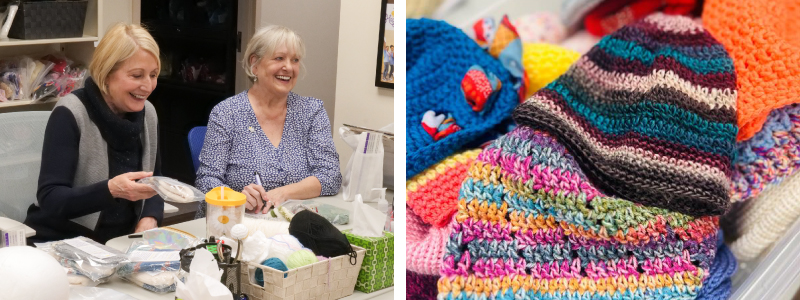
[224, 210]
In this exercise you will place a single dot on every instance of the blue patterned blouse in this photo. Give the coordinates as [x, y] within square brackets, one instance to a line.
[235, 147]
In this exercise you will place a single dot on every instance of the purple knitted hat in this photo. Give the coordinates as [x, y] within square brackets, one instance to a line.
[650, 115]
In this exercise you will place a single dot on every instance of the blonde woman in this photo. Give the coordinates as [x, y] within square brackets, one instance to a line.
[99, 140]
[271, 131]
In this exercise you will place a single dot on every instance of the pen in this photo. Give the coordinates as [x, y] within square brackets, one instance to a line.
[258, 182]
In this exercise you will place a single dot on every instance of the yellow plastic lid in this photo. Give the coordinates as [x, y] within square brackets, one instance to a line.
[232, 198]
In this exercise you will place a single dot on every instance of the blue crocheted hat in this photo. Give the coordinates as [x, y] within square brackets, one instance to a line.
[438, 58]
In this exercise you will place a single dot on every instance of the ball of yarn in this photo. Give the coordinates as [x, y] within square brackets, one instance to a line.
[269, 228]
[274, 263]
[301, 258]
[283, 246]
[321, 258]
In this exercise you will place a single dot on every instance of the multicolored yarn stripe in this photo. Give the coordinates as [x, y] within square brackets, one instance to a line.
[433, 193]
[531, 226]
[770, 156]
[650, 113]
[765, 50]
[544, 63]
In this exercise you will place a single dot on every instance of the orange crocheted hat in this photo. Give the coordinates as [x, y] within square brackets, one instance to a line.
[433, 194]
[763, 40]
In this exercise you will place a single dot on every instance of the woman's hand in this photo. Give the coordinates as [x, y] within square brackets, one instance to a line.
[255, 197]
[146, 223]
[274, 197]
[125, 186]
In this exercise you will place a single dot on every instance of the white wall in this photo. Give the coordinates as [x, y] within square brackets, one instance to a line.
[358, 101]
[317, 22]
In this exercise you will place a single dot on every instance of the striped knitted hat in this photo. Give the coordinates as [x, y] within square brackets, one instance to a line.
[770, 156]
[438, 58]
[765, 50]
[650, 114]
[531, 226]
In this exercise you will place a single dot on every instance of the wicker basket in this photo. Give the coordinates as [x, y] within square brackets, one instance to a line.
[328, 279]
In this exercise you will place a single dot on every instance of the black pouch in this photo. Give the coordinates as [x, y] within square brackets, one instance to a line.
[318, 234]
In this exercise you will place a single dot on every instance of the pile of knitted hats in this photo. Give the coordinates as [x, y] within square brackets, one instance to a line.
[766, 53]
[610, 187]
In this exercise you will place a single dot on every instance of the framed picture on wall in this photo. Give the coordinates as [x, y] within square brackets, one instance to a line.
[384, 72]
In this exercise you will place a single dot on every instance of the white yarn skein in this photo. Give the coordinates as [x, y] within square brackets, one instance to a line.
[269, 228]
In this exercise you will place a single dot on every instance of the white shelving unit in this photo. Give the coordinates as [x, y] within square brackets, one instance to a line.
[27, 102]
[100, 15]
[16, 42]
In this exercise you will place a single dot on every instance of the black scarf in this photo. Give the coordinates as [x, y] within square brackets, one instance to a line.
[123, 135]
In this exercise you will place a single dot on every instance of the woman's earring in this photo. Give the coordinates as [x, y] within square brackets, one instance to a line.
[255, 78]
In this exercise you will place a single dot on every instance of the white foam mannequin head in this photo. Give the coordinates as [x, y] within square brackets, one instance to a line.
[30, 273]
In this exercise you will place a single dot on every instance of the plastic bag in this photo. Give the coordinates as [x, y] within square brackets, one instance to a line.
[173, 190]
[86, 257]
[278, 213]
[169, 238]
[10, 83]
[152, 267]
[364, 170]
[333, 214]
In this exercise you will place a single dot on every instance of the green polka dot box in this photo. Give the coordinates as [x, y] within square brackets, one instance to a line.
[377, 271]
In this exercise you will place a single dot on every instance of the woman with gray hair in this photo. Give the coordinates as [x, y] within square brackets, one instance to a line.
[270, 132]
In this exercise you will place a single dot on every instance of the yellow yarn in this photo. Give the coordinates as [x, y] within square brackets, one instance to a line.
[544, 63]
[413, 184]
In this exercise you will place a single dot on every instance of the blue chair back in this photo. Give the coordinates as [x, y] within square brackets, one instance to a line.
[196, 137]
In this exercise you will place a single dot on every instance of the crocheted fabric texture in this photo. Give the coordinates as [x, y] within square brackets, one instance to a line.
[764, 42]
[649, 113]
[718, 284]
[530, 226]
[433, 193]
[770, 156]
[543, 63]
[438, 57]
[760, 222]
[425, 244]
[420, 286]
